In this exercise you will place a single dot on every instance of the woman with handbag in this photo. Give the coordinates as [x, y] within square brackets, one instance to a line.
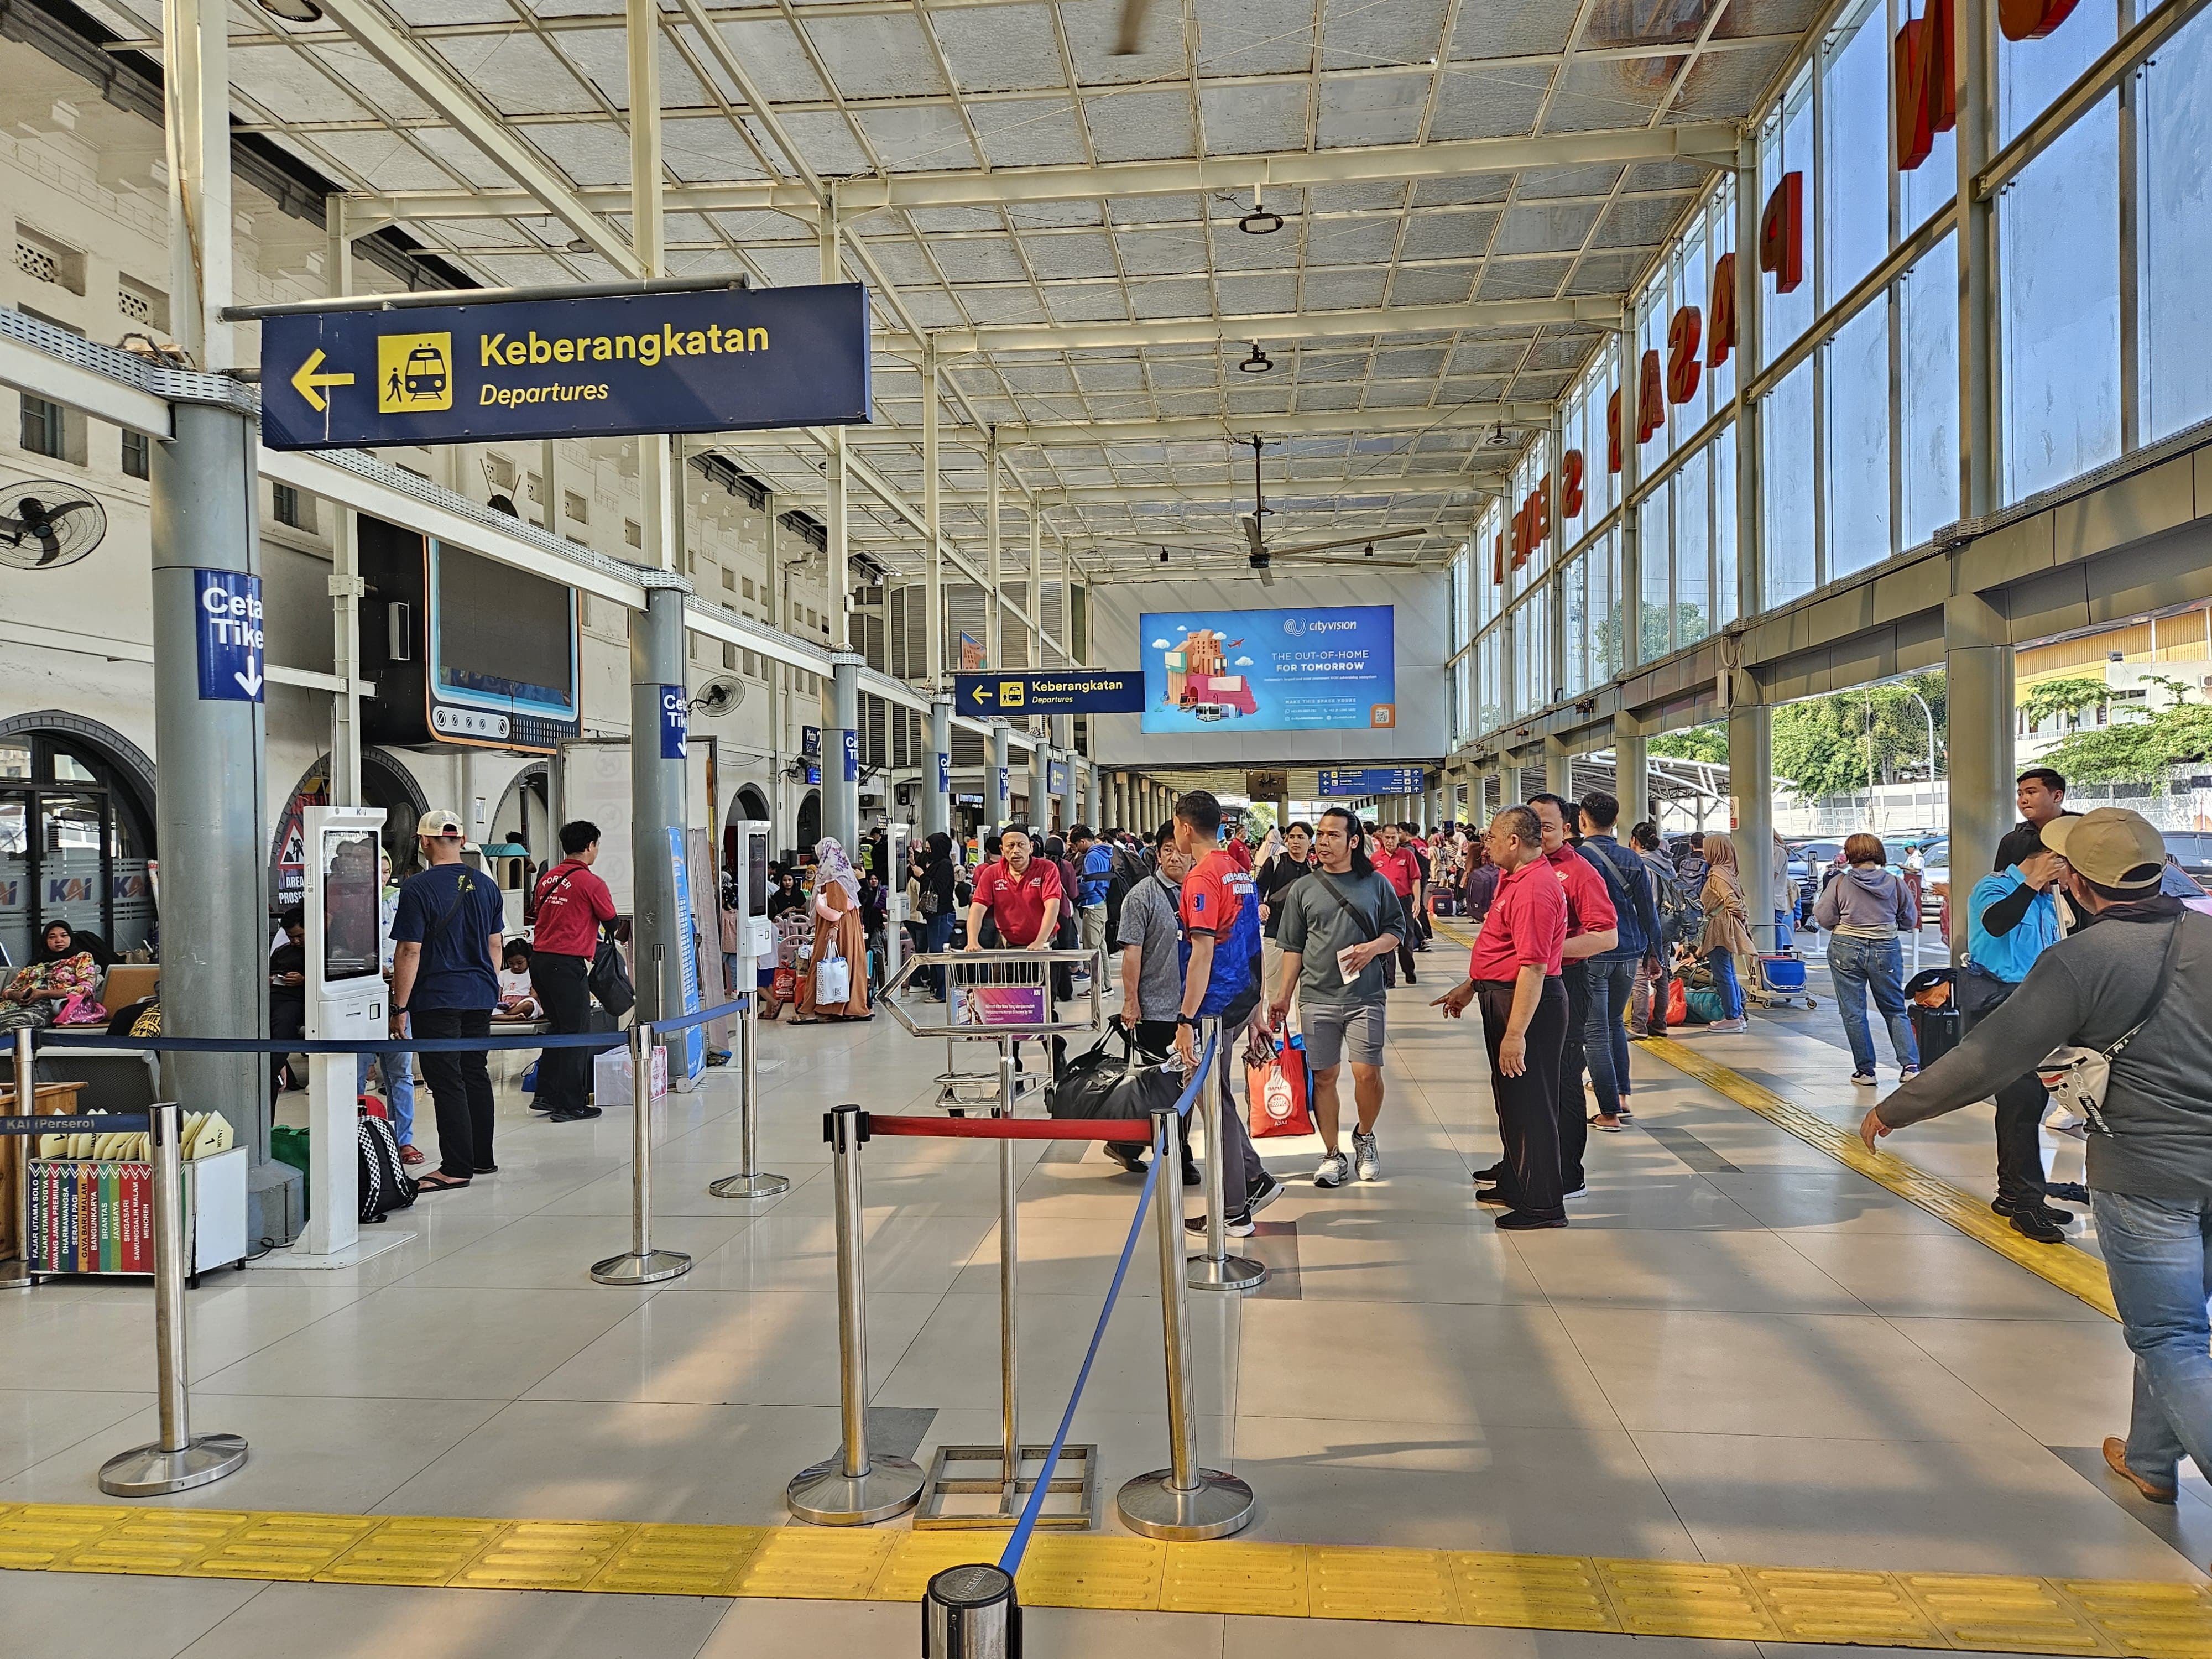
[937, 903]
[835, 983]
[1726, 936]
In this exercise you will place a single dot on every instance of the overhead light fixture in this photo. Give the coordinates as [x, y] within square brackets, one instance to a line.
[1370, 550]
[1163, 556]
[578, 245]
[1260, 221]
[294, 11]
[1258, 363]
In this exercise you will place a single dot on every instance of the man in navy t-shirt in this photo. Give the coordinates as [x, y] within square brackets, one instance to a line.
[444, 980]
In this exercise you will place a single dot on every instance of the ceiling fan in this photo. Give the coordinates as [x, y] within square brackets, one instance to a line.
[1261, 558]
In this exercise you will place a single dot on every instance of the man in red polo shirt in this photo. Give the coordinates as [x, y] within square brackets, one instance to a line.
[1593, 927]
[571, 903]
[1395, 863]
[1021, 893]
[1514, 973]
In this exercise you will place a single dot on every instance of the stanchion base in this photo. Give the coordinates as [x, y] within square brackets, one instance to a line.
[647, 1269]
[150, 1472]
[1151, 1505]
[749, 1185]
[15, 1273]
[827, 1496]
[1232, 1273]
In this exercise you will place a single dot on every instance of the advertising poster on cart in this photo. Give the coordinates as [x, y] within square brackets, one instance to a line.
[1311, 669]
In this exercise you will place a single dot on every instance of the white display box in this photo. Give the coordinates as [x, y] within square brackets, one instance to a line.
[612, 1083]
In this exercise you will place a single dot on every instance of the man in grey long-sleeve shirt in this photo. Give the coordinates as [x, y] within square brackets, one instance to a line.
[2151, 1156]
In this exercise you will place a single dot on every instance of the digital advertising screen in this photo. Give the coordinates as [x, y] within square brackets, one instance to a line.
[1311, 669]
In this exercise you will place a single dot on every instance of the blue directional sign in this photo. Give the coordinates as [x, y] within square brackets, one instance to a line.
[675, 722]
[721, 360]
[944, 773]
[810, 739]
[852, 755]
[1006, 783]
[1068, 691]
[1371, 779]
[227, 613]
[1055, 777]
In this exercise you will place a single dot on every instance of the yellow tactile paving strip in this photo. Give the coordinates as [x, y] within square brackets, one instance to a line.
[2073, 1271]
[1710, 1600]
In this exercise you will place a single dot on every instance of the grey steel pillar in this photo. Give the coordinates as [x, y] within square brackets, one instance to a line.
[1632, 768]
[936, 772]
[207, 813]
[996, 792]
[1071, 792]
[656, 800]
[840, 753]
[1978, 662]
[1040, 783]
[1751, 809]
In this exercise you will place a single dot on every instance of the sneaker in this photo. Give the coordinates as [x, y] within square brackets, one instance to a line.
[1864, 1080]
[1907, 1073]
[2038, 1225]
[1491, 1177]
[1735, 1027]
[1492, 1198]
[1335, 1169]
[574, 1114]
[1514, 1221]
[1237, 1224]
[1192, 1174]
[2011, 1207]
[1366, 1159]
[1261, 1192]
[1582, 1191]
[1128, 1155]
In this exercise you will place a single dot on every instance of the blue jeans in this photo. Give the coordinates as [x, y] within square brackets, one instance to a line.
[2158, 1252]
[398, 1089]
[1722, 960]
[1860, 965]
[1604, 1038]
[937, 937]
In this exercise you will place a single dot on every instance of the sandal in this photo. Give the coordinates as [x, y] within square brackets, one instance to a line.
[1598, 1121]
[412, 1155]
[439, 1182]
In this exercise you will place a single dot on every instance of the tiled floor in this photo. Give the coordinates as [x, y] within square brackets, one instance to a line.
[1740, 1351]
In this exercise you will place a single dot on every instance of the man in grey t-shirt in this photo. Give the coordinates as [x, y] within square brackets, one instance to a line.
[1335, 928]
[1150, 937]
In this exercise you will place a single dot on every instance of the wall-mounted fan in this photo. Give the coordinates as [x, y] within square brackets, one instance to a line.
[45, 523]
[720, 695]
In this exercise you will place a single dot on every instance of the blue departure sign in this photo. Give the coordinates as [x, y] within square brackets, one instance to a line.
[944, 773]
[1068, 691]
[852, 755]
[226, 616]
[1055, 777]
[1371, 779]
[675, 723]
[723, 359]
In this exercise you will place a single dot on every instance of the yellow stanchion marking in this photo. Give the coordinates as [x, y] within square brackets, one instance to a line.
[2073, 1271]
[1711, 1599]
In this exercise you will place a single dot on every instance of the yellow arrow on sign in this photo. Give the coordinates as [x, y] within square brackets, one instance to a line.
[307, 380]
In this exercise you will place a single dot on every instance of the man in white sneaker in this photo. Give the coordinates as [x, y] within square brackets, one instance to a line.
[1335, 928]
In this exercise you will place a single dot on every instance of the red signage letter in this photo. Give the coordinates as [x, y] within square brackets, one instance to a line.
[1570, 483]
[1722, 338]
[1782, 234]
[1650, 411]
[1683, 334]
[1926, 97]
[2030, 20]
[1613, 432]
[1498, 561]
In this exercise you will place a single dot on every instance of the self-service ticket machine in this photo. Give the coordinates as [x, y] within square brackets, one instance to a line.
[898, 842]
[756, 938]
[347, 999]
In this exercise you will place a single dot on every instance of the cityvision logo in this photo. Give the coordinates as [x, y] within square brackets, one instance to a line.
[1298, 627]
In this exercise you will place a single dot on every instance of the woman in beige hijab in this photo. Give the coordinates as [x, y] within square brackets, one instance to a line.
[1726, 936]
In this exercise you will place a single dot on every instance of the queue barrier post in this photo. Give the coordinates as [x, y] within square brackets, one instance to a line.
[854, 1487]
[1182, 1502]
[15, 1273]
[751, 1180]
[642, 1264]
[179, 1460]
[971, 1612]
[1215, 1268]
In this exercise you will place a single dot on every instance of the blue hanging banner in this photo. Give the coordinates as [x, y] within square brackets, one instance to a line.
[810, 739]
[1055, 777]
[851, 756]
[1006, 783]
[227, 615]
[719, 360]
[675, 722]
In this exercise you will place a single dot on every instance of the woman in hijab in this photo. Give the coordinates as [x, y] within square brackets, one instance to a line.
[939, 901]
[838, 932]
[60, 985]
[1726, 934]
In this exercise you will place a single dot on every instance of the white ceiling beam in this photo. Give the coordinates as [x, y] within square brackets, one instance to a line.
[1712, 142]
[1241, 429]
[1235, 491]
[1302, 326]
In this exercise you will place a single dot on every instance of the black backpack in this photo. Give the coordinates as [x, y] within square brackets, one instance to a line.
[384, 1184]
[1124, 872]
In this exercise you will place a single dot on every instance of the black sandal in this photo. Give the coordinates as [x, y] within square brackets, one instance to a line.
[438, 1181]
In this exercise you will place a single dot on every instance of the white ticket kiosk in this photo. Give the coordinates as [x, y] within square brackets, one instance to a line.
[347, 999]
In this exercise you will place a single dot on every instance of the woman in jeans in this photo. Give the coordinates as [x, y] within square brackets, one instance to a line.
[1863, 910]
[1725, 936]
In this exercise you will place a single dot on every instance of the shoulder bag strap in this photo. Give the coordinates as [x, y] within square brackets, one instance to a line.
[2158, 991]
[1345, 904]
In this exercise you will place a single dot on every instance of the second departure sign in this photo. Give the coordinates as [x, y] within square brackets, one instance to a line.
[722, 360]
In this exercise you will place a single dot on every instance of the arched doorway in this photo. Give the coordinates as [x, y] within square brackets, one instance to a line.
[750, 804]
[77, 832]
[810, 820]
[384, 783]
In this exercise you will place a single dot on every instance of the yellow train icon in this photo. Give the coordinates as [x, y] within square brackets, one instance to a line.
[424, 373]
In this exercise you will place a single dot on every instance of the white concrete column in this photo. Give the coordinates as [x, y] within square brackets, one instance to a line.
[934, 603]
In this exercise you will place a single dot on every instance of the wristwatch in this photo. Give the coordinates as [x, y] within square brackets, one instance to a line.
[1186, 1019]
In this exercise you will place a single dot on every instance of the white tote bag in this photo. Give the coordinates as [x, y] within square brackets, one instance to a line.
[832, 981]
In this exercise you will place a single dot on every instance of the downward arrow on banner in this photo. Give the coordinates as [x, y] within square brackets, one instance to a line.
[250, 679]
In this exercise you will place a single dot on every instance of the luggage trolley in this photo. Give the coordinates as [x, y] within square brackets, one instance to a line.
[1000, 997]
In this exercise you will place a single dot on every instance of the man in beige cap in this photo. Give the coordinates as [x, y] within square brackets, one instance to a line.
[445, 941]
[2134, 983]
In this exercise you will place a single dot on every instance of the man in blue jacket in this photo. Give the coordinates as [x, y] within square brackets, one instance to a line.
[2012, 918]
[1094, 865]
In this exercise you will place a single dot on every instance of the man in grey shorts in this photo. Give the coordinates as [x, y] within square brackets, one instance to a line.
[1336, 928]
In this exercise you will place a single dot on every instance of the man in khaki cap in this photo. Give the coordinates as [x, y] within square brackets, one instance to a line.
[445, 980]
[2134, 983]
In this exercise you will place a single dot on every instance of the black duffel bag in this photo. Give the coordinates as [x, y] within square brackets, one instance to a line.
[1099, 1084]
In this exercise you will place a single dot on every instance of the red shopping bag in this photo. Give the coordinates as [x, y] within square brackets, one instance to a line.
[1678, 1003]
[1279, 1092]
[785, 986]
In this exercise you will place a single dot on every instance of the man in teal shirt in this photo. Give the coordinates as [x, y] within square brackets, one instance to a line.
[2012, 918]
